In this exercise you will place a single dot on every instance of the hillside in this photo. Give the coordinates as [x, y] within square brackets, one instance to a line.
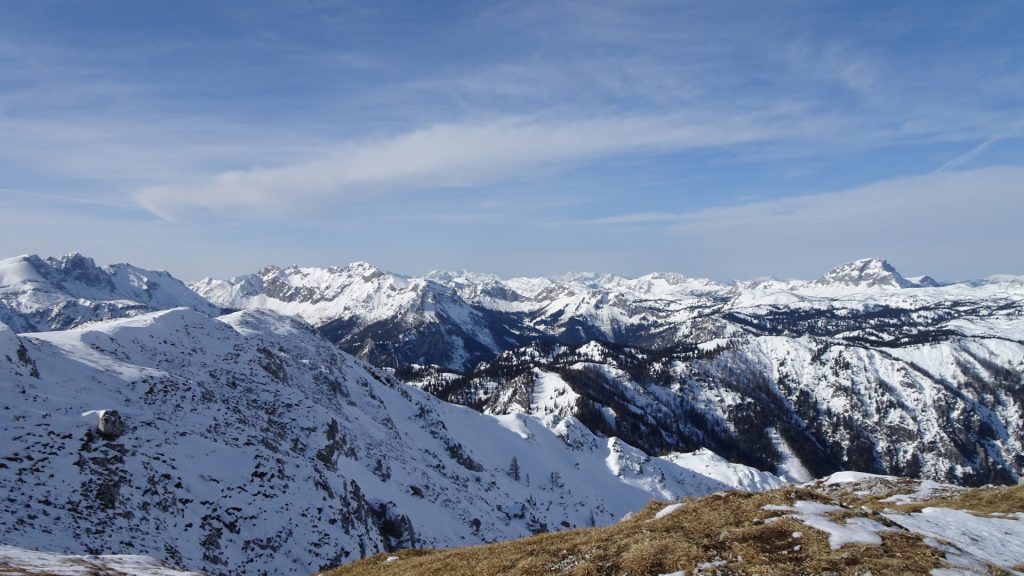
[947, 411]
[847, 524]
[249, 444]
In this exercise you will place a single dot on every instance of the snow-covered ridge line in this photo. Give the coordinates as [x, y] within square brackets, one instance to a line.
[457, 319]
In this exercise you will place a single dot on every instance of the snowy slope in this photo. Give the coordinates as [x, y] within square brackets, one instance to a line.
[24, 561]
[254, 446]
[55, 293]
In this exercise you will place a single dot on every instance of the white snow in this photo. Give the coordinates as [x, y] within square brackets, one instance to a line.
[206, 400]
[667, 510]
[847, 476]
[551, 395]
[714, 466]
[790, 467]
[996, 540]
[27, 561]
[925, 491]
[895, 392]
[39, 294]
[855, 530]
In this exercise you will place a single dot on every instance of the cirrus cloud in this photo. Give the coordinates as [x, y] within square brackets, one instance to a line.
[452, 155]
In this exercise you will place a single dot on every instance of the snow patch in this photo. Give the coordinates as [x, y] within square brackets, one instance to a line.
[667, 510]
[925, 491]
[996, 540]
[853, 531]
[33, 562]
[850, 476]
[790, 467]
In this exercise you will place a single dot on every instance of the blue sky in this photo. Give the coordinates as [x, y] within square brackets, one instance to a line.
[719, 139]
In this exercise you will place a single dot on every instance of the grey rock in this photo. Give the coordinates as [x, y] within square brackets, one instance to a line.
[111, 424]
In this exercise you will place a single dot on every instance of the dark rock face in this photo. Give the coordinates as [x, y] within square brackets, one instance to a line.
[111, 425]
[73, 268]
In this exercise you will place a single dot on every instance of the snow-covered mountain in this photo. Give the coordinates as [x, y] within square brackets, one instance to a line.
[860, 369]
[457, 319]
[804, 406]
[866, 273]
[385, 317]
[252, 444]
[249, 444]
[39, 294]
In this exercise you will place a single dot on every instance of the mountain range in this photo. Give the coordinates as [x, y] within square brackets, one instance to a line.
[861, 369]
[298, 418]
[249, 444]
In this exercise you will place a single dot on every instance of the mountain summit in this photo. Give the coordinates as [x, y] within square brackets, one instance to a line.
[38, 294]
[865, 273]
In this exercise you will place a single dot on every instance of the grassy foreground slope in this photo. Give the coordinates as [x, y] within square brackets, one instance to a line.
[848, 527]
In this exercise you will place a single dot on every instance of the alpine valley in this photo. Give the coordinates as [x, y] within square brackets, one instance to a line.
[296, 419]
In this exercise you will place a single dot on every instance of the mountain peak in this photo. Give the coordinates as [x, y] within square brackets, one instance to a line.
[865, 273]
[70, 268]
[56, 293]
[363, 268]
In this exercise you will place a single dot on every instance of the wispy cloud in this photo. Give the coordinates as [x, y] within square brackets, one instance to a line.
[68, 199]
[637, 218]
[966, 156]
[449, 155]
[397, 117]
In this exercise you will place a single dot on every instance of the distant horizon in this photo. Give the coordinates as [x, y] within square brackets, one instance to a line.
[552, 276]
[720, 140]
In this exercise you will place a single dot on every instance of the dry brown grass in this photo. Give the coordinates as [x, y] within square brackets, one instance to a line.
[728, 529]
